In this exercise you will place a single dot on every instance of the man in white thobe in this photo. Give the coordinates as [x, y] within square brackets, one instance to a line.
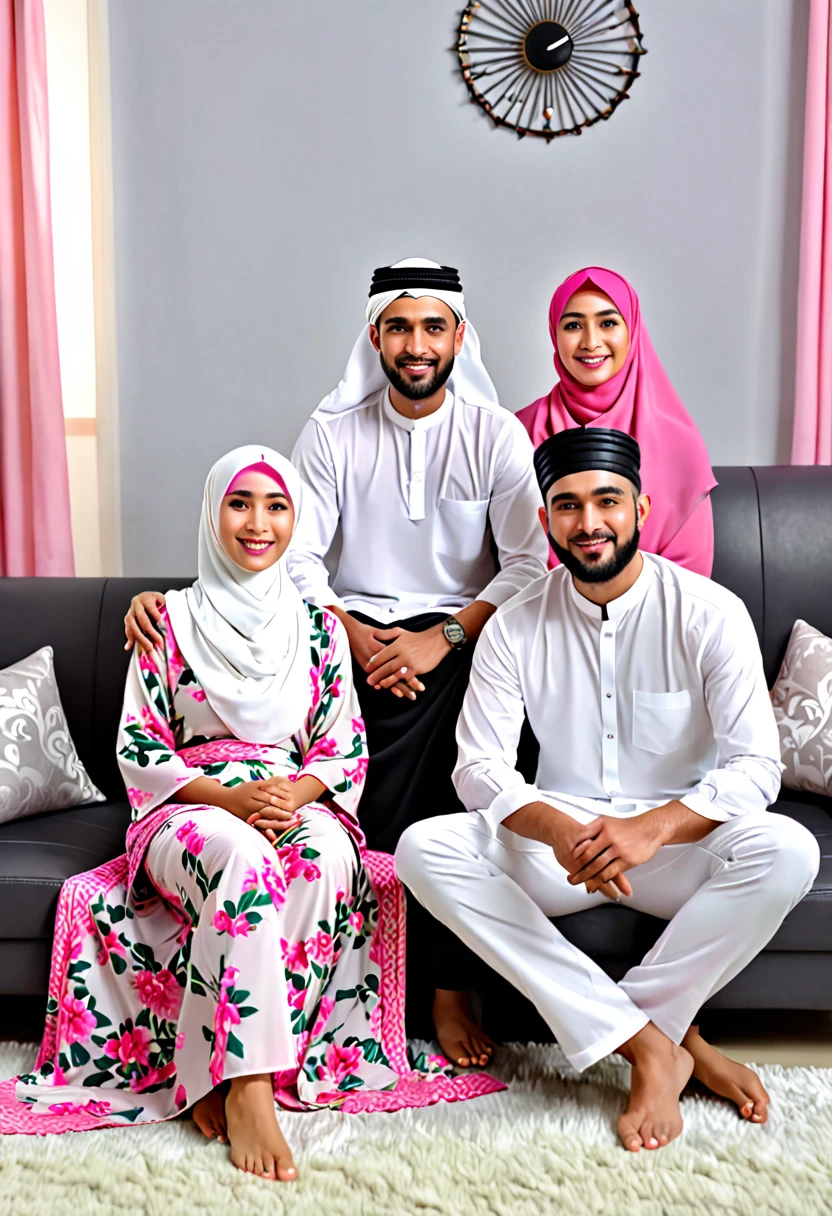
[419, 522]
[643, 683]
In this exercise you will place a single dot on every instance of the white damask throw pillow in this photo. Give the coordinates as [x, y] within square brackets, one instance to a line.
[802, 700]
[39, 767]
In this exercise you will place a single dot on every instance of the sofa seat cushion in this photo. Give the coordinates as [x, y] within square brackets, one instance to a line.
[809, 925]
[37, 855]
[613, 931]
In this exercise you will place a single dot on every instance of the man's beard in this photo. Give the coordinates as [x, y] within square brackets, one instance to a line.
[600, 572]
[424, 388]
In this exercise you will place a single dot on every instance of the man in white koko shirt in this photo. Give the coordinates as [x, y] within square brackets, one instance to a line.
[643, 683]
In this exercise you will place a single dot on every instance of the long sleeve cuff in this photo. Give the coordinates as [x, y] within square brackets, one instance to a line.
[507, 802]
[504, 585]
[703, 806]
[142, 802]
[342, 783]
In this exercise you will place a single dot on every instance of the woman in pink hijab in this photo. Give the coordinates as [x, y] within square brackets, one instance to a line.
[611, 376]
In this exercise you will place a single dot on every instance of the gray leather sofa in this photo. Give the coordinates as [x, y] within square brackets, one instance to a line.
[773, 548]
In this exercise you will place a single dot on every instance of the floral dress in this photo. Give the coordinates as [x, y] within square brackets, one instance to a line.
[207, 953]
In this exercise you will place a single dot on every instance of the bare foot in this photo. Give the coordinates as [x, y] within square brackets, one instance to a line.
[460, 1037]
[727, 1078]
[257, 1143]
[209, 1115]
[661, 1070]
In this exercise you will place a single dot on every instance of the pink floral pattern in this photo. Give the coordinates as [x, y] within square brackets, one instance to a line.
[79, 1021]
[226, 1017]
[191, 837]
[131, 1048]
[159, 992]
[138, 798]
[238, 927]
[98, 1109]
[340, 1063]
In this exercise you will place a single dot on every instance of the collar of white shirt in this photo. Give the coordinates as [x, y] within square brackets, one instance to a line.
[618, 607]
[417, 424]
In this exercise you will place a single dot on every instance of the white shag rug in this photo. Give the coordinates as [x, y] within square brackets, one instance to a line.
[548, 1144]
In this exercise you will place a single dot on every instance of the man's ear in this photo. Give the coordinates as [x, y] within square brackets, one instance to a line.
[644, 506]
[543, 516]
[375, 338]
[459, 337]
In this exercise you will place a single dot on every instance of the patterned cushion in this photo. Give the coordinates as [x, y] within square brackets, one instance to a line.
[39, 766]
[802, 700]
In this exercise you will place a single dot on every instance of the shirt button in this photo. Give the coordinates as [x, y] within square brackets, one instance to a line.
[609, 694]
[607, 635]
[609, 736]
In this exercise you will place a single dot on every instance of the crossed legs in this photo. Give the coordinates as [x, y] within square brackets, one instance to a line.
[724, 899]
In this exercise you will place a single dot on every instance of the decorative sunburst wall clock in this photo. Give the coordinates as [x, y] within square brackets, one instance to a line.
[549, 67]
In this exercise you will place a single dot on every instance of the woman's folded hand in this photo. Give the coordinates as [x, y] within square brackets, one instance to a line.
[249, 798]
[280, 801]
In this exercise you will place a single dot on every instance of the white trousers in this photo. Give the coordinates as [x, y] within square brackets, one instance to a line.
[724, 897]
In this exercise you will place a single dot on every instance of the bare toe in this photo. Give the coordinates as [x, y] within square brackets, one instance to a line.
[484, 1050]
[629, 1135]
[286, 1171]
[648, 1138]
[459, 1035]
[205, 1117]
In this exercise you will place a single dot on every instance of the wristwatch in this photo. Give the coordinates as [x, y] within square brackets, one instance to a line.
[455, 634]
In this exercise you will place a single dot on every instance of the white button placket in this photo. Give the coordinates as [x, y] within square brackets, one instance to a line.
[416, 489]
[609, 710]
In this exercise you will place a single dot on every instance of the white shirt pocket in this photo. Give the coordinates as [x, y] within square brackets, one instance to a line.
[463, 523]
[662, 721]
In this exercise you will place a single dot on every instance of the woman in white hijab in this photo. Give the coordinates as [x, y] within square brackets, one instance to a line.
[232, 959]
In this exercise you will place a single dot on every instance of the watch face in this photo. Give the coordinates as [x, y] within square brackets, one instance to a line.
[454, 632]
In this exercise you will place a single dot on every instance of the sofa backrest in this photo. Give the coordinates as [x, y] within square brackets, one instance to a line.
[773, 548]
[773, 535]
[111, 672]
[82, 619]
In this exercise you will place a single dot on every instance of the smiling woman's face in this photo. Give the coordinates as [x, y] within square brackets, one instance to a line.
[256, 521]
[592, 338]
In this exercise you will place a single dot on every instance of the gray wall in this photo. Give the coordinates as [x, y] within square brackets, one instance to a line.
[269, 153]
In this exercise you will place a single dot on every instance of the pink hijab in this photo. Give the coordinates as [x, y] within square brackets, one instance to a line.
[639, 399]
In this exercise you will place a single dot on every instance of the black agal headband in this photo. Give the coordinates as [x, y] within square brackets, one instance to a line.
[580, 449]
[422, 278]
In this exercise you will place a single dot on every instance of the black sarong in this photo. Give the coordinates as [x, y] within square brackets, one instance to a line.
[413, 751]
[411, 744]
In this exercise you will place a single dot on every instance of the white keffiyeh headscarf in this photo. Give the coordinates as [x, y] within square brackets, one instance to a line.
[364, 374]
[245, 634]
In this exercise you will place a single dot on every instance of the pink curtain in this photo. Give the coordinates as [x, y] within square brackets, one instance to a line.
[35, 532]
[812, 439]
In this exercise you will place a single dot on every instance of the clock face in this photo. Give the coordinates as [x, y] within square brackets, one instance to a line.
[549, 67]
[547, 46]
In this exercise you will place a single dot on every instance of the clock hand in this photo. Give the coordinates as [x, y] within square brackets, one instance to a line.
[560, 42]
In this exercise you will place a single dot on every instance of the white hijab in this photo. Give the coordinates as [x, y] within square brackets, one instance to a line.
[364, 374]
[245, 634]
